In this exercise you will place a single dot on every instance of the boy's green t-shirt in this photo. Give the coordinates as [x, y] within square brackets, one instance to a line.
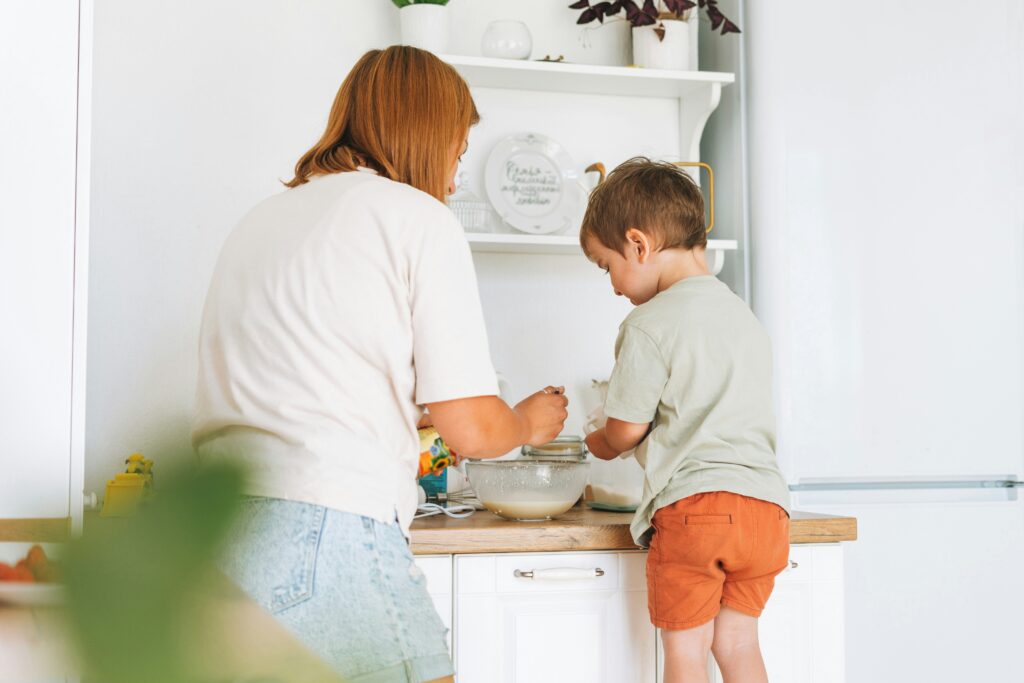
[696, 362]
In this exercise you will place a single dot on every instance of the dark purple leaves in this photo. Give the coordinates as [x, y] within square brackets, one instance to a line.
[631, 11]
[643, 19]
[602, 8]
[710, 7]
[716, 17]
[729, 27]
[679, 7]
[648, 14]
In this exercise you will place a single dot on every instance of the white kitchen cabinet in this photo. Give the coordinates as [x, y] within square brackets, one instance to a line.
[437, 570]
[43, 210]
[801, 630]
[552, 618]
[582, 616]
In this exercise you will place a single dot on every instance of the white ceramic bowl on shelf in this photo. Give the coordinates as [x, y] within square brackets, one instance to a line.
[505, 39]
[528, 490]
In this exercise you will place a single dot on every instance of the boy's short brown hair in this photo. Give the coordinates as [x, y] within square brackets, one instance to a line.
[656, 197]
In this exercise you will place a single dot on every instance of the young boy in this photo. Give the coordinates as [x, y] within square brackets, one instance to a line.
[691, 390]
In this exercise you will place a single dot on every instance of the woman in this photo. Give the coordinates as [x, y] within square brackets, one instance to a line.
[337, 311]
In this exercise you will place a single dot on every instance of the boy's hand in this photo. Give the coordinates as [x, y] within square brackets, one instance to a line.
[543, 415]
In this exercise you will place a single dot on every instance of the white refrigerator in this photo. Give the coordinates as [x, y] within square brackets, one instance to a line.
[885, 166]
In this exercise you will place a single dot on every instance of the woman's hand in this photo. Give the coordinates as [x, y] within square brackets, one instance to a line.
[543, 415]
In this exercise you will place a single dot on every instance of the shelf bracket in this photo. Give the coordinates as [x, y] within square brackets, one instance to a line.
[717, 260]
[694, 110]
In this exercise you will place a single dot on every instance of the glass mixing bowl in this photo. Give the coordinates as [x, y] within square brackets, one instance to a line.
[529, 490]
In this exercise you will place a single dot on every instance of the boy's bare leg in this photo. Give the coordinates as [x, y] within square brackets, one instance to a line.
[686, 653]
[446, 679]
[736, 648]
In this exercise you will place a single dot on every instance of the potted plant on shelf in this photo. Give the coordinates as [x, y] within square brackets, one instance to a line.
[661, 31]
[424, 24]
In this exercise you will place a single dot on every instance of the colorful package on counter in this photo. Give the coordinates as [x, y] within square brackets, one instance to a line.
[435, 458]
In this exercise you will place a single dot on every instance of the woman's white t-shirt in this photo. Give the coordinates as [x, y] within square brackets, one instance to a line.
[337, 310]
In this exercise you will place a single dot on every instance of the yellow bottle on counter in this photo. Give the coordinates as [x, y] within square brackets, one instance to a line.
[128, 488]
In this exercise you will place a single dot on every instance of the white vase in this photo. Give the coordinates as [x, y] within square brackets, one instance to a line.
[425, 26]
[673, 52]
[506, 39]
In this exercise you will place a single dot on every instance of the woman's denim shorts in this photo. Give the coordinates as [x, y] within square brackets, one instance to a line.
[345, 585]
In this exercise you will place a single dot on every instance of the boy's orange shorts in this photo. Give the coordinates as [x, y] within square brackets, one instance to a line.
[714, 549]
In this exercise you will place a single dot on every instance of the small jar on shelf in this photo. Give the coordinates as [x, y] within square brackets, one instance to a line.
[471, 211]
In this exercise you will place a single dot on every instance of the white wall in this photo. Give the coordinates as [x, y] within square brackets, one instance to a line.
[200, 108]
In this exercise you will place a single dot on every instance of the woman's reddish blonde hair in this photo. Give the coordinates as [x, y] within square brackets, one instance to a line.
[402, 112]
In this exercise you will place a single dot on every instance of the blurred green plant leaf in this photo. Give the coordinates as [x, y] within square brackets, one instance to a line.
[132, 583]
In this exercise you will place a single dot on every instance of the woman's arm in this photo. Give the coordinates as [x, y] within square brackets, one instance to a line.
[616, 437]
[486, 427]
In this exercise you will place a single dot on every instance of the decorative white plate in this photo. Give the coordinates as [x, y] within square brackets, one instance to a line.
[532, 184]
[31, 594]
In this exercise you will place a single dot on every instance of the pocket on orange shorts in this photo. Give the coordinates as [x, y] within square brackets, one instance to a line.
[694, 540]
[707, 520]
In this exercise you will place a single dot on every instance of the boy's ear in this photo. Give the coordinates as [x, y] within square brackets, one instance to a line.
[639, 244]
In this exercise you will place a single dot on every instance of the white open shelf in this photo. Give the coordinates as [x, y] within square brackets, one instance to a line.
[698, 92]
[514, 243]
[626, 81]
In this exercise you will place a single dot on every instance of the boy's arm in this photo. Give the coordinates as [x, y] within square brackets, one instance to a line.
[634, 392]
[616, 437]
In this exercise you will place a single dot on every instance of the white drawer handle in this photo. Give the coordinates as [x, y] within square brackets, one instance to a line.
[558, 574]
[792, 565]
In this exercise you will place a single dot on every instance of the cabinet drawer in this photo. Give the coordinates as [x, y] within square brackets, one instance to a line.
[567, 624]
[538, 573]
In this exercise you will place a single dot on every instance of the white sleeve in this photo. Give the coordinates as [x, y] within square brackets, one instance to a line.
[450, 351]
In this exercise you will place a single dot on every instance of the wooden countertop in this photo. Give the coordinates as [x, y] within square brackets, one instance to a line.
[579, 529]
[54, 530]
